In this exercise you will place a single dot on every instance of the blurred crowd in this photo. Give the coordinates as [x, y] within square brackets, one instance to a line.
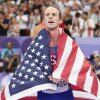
[94, 60]
[81, 18]
[19, 17]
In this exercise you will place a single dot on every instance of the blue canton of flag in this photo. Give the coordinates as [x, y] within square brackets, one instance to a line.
[33, 71]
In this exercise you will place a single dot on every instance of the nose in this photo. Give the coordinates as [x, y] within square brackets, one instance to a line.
[50, 16]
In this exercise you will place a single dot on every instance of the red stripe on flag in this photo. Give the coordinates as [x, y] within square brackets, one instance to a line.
[82, 74]
[94, 89]
[3, 95]
[70, 62]
[28, 98]
[33, 98]
[60, 49]
[82, 99]
[73, 87]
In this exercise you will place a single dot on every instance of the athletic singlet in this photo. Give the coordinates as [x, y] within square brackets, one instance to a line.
[61, 86]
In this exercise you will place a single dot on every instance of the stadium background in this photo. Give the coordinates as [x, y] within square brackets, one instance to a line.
[73, 16]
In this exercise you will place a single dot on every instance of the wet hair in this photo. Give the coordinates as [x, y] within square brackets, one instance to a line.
[54, 6]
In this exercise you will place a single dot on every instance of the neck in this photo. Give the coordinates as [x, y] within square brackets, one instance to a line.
[54, 36]
[55, 31]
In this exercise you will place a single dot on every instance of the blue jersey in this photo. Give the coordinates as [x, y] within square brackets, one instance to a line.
[63, 91]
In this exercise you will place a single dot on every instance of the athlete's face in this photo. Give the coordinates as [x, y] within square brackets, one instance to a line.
[52, 18]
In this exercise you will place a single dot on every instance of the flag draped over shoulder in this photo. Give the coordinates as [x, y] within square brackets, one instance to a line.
[32, 73]
[74, 68]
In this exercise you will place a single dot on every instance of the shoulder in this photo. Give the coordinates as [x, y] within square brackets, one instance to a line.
[37, 29]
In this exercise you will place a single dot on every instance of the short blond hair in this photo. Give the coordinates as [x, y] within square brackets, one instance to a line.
[54, 6]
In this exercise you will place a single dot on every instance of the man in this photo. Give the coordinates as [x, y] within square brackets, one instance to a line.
[52, 20]
[51, 60]
[10, 57]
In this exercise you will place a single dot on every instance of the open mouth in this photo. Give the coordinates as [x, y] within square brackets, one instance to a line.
[51, 22]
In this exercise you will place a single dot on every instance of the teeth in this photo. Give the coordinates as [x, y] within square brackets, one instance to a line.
[51, 22]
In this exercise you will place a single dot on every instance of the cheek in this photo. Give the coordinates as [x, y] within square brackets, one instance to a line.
[57, 22]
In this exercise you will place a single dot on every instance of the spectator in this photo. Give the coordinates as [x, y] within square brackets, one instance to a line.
[89, 25]
[36, 17]
[97, 31]
[61, 4]
[10, 57]
[12, 8]
[97, 63]
[3, 25]
[66, 14]
[22, 20]
[77, 25]
[67, 25]
[14, 29]
[96, 15]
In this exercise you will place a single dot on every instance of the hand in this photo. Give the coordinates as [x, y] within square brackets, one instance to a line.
[54, 79]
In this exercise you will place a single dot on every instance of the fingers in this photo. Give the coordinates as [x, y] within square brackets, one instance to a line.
[54, 79]
[50, 77]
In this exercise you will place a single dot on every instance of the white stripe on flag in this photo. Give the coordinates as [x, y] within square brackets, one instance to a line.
[7, 93]
[86, 95]
[0, 95]
[64, 58]
[98, 93]
[76, 67]
[28, 92]
[88, 81]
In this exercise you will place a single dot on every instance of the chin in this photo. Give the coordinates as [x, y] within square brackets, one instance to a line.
[51, 28]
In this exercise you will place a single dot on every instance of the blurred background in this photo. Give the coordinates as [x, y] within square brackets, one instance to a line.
[18, 19]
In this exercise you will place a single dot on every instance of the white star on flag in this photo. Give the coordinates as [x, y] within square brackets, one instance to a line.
[36, 44]
[44, 57]
[38, 68]
[20, 74]
[41, 63]
[32, 79]
[33, 64]
[23, 68]
[40, 37]
[41, 46]
[35, 73]
[42, 76]
[26, 62]
[33, 50]
[29, 70]
[46, 66]
[45, 73]
[13, 85]
[22, 82]
[38, 53]
[36, 60]
[30, 56]
[26, 76]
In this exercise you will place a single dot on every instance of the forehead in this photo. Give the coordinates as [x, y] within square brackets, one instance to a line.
[51, 10]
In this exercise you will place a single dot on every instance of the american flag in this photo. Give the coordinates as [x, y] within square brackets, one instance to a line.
[73, 67]
[32, 73]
